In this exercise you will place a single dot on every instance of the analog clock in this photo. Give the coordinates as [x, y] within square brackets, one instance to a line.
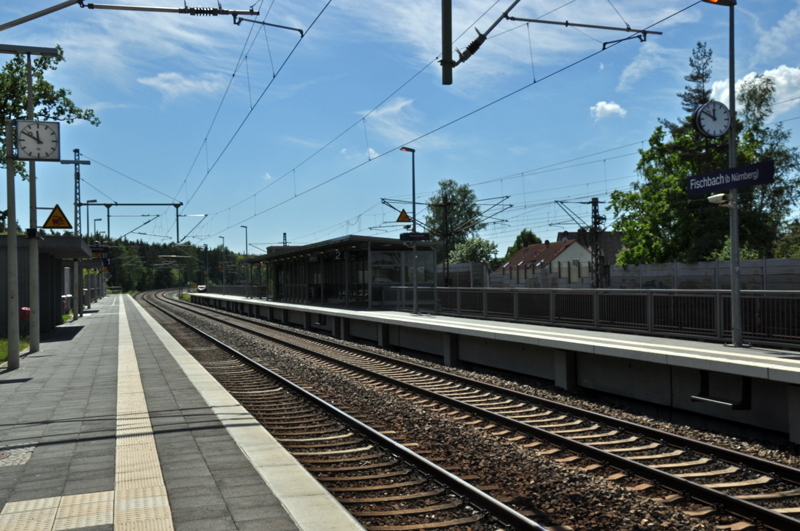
[38, 141]
[712, 119]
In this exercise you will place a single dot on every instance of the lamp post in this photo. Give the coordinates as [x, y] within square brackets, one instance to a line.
[413, 219]
[736, 291]
[245, 257]
[223, 264]
[206, 266]
[95, 225]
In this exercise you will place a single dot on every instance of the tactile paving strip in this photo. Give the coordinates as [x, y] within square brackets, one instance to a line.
[141, 498]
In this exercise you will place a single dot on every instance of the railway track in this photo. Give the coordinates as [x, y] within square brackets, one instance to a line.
[383, 484]
[713, 479]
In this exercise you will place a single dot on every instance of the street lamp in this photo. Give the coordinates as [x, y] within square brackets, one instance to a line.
[413, 219]
[736, 290]
[245, 257]
[95, 224]
[223, 265]
[87, 215]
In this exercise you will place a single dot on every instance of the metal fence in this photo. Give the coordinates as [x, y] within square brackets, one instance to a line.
[768, 317]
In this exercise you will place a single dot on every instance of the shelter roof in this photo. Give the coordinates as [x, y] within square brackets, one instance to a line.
[62, 247]
[344, 242]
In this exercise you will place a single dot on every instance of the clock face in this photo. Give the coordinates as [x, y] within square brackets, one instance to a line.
[712, 119]
[38, 141]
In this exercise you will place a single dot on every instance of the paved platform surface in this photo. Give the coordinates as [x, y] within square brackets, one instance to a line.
[113, 426]
[758, 362]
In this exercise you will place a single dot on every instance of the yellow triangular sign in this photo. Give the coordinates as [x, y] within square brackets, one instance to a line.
[403, 218]
[57, 220]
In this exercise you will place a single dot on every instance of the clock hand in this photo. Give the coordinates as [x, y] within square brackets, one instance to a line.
[26, 133]
[713, 117]
[37, 136]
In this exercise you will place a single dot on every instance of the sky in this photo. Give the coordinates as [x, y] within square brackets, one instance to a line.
[257, 126]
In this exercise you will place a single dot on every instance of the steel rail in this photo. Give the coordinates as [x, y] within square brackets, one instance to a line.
[475, 496]
[734, 505]
[731, 456]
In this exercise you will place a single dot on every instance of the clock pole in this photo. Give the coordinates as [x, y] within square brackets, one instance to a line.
[736, 291]
[33, 238]
[11, 253]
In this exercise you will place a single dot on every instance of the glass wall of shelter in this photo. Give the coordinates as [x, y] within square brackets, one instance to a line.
[361, 271]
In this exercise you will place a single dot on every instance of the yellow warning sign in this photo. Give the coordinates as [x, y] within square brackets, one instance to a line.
[403, 218]
[57, 220]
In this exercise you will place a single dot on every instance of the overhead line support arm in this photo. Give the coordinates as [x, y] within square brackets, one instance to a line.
[198, 11]
[592, 26]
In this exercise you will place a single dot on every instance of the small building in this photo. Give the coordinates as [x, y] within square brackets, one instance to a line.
[348, 271]
[567, 260]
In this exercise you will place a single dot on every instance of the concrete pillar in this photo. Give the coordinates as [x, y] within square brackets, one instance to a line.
[88, 291]
[450, 350]
[307, 320]
[344, 328]
[793, 396]
[270, 313]
[566, 370]
[383, 335]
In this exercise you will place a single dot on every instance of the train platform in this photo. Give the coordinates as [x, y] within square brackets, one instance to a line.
[112, 425]
[758, 387]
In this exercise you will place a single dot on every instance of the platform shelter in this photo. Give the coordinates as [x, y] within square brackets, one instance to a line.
[56, 254]
[351, 271]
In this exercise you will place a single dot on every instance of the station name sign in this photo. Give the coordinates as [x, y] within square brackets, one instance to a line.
[415, 237]
[759, 173]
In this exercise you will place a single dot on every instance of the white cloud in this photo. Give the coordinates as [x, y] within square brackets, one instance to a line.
[394, 120]
[787, 85]
[652, 58]
[604, 109]
[173, 85]
[779, 39]
[267, 176]
[372, 154]
[344, 151]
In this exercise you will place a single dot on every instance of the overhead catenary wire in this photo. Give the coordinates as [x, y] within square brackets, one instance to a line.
[250, 112]
[376, 107]
[449, 123]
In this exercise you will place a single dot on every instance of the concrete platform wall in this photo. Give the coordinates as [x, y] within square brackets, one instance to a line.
[774, 404]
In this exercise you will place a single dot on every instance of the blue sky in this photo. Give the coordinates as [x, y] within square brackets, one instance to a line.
[304, 138]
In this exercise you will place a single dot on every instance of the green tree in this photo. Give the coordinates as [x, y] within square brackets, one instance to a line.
[473, 250]
[49, 103]
[526, 237]
[659, 222]
[453, 215]
[698, 92]
[788, 245]
[724, 253]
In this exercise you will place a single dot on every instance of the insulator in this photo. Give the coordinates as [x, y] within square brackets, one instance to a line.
[474, 45]
[204, 11]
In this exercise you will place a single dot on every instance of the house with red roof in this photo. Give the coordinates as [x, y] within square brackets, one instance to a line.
[549, 263]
